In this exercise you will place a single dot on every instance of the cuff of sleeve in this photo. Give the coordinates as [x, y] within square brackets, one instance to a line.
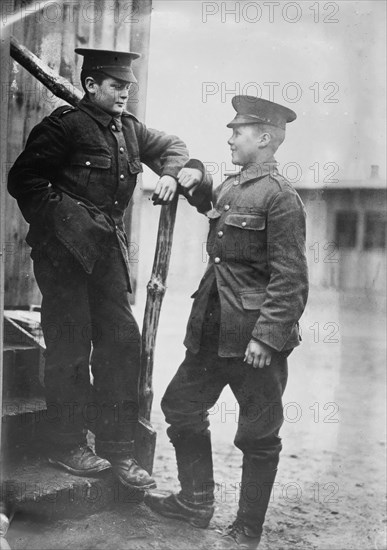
[272, 334]
[197, 164]
[171, 171]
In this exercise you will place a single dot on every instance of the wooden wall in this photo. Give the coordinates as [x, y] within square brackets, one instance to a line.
[52, 34]
[343, 269]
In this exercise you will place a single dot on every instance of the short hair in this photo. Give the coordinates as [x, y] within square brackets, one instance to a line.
[277, 135]
[97, 75]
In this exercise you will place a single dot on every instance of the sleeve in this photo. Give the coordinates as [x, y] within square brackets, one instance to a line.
[30, 175]
[201, 197]
[287, 291]
[164, 154]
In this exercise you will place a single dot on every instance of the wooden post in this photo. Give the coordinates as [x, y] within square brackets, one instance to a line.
[155, 293]
[139, 42]
[4, 72]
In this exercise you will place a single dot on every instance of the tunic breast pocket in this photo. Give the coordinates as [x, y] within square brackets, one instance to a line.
[247, 227]
[246, 234]
[90, 168]
[91, 173]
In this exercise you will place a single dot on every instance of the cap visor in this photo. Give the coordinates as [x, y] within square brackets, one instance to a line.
[126, 75]
[243, 119]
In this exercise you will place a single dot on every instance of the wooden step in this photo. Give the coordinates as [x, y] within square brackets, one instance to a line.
[23, 327]
[23, 422]
[30, 483]
[22, 371]
[26, 422]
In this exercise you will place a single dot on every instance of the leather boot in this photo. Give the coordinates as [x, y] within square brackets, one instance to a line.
[124, 465]
[257, 483]
[174, 506]
[79, 460]
[238, 537]
[195, 502]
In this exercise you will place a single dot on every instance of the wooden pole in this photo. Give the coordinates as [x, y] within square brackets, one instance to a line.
[58, 85]
[155, 293]
[139, 42]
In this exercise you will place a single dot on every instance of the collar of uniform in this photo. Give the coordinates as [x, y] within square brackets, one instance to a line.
[254, 171]
[95, 112]
[257, 171]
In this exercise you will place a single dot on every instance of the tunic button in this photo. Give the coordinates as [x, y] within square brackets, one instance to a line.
[227, 207]
[220, 234]
[243, 224]
[116, 226]
[217, 260]
[113, 127]
[122, 176]
[87, 163]
[122, 149]
[115, 203]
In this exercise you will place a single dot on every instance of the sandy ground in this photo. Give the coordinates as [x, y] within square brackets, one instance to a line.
[330, 489]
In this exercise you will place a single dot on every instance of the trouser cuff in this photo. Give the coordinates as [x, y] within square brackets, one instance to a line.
[111, 449]
[66, 440]
[199, 498]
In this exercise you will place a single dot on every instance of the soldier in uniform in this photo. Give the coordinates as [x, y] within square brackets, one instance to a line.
[243, 324]
[73, 183]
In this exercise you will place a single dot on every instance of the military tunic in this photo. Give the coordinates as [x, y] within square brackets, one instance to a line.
[256, 249]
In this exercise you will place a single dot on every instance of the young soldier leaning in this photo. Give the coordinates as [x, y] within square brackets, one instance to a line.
[73, 183]
[243, 324]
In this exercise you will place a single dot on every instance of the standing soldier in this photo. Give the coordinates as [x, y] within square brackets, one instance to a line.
[243, 324]
[73, 183]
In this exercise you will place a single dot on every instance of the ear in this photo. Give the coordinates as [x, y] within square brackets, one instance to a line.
[90, 85]
[264, 140]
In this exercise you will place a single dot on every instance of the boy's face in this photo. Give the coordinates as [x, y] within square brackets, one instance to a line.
[111, 95]
[244, 144]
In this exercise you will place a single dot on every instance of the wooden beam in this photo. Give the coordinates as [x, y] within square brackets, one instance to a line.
[58, 85]
[141, 11]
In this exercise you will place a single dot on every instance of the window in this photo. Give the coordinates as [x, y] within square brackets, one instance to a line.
[346, 228]
[375, 230]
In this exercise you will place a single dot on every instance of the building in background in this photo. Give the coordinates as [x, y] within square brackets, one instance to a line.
[346, 233]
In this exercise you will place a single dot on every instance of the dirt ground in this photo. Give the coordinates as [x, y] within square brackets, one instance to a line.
[330, 489]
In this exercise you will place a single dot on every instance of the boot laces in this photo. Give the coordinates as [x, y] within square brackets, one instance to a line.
[85, 449]
[235, 529]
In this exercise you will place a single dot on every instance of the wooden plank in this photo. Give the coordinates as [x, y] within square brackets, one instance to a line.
[139, 14]
[17, 268]
[27, 324]
[67, 64]
[4, 71]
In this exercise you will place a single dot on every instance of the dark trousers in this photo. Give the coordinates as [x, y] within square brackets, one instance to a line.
[191, 398]
[88, 326]
[197, 385]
